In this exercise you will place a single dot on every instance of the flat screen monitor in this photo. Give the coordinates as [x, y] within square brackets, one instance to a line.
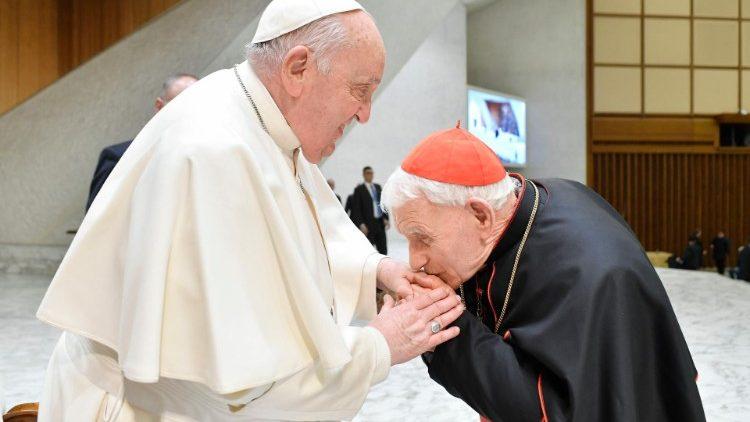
[499, 120]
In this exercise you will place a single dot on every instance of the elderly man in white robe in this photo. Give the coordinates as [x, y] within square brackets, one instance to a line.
[216, 277]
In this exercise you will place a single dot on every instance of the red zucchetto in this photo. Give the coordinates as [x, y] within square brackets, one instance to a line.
[454, 156]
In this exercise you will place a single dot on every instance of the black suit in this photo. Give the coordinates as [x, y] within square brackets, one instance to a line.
[542, 356]
[363, 212]
[348, 206]
[743, 262]
[720, 247]
[108, 159]
[691, 258]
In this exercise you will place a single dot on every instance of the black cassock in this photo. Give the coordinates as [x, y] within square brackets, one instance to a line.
[589, 333]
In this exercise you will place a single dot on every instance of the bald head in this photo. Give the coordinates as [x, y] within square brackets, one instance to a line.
[172, 87]
[363, 32]
[324, 37]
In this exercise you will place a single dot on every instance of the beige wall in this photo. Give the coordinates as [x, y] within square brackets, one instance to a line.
[536, 49]
[49, 144]
[674, 57]
[427, 94]
[42, 40]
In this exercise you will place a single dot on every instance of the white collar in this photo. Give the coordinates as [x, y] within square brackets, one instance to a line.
[277, 125]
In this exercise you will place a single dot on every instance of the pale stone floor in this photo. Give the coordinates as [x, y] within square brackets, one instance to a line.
[714, 313]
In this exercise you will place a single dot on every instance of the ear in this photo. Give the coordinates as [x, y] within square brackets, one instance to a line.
[484, 215]
[159, 103]
[295, 68]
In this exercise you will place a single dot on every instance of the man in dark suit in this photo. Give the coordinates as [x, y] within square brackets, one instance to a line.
[108, 159]
[691, 258]
[367, 213]
[742, 271]
[743, 263]
[110, 156]
[348, 205]
[720, 249]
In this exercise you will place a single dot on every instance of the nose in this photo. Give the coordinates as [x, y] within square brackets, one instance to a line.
[417, 256]
[363, 113]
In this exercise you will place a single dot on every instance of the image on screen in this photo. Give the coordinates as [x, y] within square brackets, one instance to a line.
[499, 120]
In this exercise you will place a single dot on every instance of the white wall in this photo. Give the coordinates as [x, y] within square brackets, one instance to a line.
[427, 95]
[536, 49]
[50, 143]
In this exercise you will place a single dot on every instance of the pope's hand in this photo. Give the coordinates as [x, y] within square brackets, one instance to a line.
[395, 276]
[407, 326]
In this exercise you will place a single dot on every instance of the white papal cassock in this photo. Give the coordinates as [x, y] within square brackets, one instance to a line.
[206, 284]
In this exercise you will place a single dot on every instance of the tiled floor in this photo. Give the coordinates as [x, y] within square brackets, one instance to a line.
[714, 313]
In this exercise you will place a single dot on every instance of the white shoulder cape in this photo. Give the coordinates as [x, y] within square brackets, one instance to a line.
[195, 261]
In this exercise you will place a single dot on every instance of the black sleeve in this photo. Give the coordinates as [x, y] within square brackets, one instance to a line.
[356, 208]
[380, 197]
[103, 168]
[487, 372]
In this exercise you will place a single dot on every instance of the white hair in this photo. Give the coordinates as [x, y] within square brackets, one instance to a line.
[402, 187]
[323, 37]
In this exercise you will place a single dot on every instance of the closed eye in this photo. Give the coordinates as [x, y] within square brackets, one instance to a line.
[360, 92]
[424, 239]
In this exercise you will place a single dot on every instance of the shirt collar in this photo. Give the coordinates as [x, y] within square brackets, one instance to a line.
[517, 225]
[277, 125]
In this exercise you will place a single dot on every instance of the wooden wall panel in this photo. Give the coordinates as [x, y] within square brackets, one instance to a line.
[666, 173]
[42, 40]
[37, 45]
[9, 14]
[664, 197]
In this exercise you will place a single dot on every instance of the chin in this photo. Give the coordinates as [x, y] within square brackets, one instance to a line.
[312, 158]
[455, 284]
[452, 280]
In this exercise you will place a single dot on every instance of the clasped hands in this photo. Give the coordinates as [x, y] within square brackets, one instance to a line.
[409, 325]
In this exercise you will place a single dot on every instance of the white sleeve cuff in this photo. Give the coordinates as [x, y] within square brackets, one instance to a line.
[382, 356]
[366, 307]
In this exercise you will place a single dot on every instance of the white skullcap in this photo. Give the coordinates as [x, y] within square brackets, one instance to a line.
[284, 16]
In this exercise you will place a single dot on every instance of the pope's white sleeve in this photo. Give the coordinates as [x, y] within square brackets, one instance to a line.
[366, 308]
[319, 394]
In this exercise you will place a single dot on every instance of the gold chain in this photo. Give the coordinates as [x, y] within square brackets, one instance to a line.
[263, 123]
[518, 257]
[515, 263]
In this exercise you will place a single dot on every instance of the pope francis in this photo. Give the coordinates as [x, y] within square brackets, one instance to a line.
[216, 276]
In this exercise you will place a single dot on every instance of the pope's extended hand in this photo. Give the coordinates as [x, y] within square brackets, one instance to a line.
[423, 283]
[407, 327]
[395, 276]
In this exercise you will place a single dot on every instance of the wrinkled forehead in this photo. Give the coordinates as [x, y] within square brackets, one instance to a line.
[360, 66]
[421, 216]
[364, 58]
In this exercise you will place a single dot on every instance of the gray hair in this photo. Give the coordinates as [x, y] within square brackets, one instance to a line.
[402, 187]
[323, 37]
[171, 79]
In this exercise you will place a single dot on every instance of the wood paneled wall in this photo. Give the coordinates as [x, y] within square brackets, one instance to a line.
[42, 40]
[666, 173]
[665, 196]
